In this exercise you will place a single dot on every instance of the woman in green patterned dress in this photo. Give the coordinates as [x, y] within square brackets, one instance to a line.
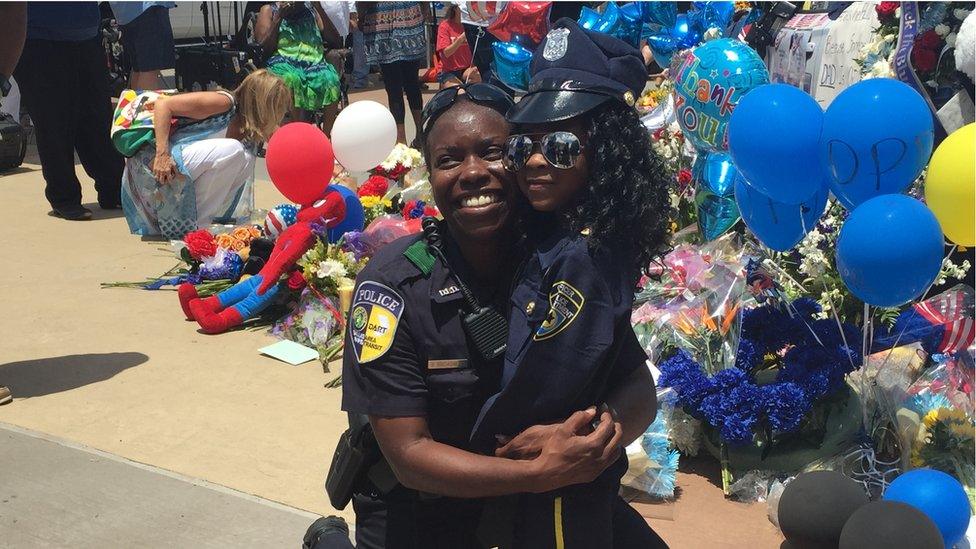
[292, 33]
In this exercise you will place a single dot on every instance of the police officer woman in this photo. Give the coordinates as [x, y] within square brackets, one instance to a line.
[417, 364]
[600, 210]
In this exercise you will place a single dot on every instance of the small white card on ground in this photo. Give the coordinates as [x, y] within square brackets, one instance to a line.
[290, 352]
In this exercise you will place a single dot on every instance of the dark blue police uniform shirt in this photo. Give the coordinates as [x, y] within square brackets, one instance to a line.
[570, 338]
[406, 352]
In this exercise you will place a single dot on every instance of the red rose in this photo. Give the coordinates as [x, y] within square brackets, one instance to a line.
[929, 40]
[376, 185]
[923, 59]
[886, 9]
[684, 176]
[200, 244]
[431, 211]
[296, 281]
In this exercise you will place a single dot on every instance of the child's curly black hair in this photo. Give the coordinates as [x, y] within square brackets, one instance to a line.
[626, 205]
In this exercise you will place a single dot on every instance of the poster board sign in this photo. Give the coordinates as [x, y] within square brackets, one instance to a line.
[816, 53]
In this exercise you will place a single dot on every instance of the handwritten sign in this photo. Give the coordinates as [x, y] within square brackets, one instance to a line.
[816, 53]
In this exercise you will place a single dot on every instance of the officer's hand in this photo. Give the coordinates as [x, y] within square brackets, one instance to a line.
[527, 444]
[569, 458]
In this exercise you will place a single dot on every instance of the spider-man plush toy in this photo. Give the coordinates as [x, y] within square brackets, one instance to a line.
[300, 162]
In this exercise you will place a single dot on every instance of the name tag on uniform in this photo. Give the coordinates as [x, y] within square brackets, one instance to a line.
[447, 364]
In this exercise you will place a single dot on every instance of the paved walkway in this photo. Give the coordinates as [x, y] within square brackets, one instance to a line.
[58, 494]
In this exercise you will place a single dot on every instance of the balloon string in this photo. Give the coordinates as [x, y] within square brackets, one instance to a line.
[865, 469]
[867, 326]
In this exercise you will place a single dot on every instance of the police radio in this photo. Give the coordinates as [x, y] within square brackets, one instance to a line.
[484, 325]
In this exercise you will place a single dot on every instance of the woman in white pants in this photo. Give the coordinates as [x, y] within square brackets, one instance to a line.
[202, 167]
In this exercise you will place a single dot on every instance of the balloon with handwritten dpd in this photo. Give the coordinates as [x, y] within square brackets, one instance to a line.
[877, 137]
[777, 225]
[708, 82]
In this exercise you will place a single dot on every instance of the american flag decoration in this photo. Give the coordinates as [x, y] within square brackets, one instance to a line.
[278, 219]
[952, 309]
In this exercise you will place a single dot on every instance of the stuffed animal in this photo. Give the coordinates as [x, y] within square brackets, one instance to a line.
[300, 162]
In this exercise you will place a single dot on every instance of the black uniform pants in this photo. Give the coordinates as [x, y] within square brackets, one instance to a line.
[65, 89]
[380, 525]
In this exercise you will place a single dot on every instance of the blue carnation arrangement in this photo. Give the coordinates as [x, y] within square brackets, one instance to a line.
[812, 356]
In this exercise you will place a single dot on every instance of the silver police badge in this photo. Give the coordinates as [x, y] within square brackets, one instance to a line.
[557, 42]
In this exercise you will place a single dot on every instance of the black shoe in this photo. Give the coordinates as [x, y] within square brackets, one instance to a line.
[324, 526]
[75, 212]
[110, 204]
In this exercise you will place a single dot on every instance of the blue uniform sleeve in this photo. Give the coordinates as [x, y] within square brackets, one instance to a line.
[381, 372]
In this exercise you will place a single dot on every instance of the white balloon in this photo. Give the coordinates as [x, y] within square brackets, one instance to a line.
[363, 135]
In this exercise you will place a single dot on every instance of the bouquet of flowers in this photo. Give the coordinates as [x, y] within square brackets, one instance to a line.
[402, 159]
[372, 195]
[327, 267]
[695, 304]
[210, 262]
[940, 406]
[315, 322]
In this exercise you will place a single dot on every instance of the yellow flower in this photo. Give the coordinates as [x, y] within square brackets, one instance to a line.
[370, 201]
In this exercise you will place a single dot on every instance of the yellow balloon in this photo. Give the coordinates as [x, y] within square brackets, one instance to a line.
[950, 185]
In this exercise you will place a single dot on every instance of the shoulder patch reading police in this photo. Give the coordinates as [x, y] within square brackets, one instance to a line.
[565, 304]
[373, 321]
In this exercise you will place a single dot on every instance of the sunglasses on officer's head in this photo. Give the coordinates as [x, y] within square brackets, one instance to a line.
[560, 149]
[481, 93]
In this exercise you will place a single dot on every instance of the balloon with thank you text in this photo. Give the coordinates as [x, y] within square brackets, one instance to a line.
[950, 185]
[708, 83]
[774, 138]
[889, 250]
[777, 225]
[877, 138]
[363, 135]
[301, 178]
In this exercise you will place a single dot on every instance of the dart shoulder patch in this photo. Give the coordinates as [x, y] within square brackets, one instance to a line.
[373, 320]
[565, 304]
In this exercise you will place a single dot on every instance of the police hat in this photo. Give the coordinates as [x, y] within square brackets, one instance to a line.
[575, 70]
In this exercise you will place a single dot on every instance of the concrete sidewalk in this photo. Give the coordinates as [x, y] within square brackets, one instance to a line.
[57, 494]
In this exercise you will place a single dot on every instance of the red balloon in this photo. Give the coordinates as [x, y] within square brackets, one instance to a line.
[300, 162]
[526, 19]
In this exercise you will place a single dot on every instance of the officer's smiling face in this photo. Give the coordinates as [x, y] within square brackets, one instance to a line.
[471, 187]
[548, 188]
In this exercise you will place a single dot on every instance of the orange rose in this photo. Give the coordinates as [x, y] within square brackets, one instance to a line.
[225, 241]
[242, 234]
[238, 245]
[255, 232]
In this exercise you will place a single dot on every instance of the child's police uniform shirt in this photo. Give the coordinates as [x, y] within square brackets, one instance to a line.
[570, 338]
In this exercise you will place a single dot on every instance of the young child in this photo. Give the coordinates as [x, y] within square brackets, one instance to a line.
[599, 214]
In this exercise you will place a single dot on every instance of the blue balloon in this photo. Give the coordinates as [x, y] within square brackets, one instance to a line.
[714, 15]
[889, 250]
[716, 214]
[511, 64]
[715, 170]
[939, 496]
[589, 18]
[779, 226]
[666, 41]
[659, 13]
[708, 83]
[877, 137]
[774, 138]
[355, 215]
[609, 18]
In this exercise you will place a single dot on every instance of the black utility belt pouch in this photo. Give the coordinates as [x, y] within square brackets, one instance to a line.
[354, 455]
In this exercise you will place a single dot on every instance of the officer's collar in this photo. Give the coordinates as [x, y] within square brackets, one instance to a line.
[548, 243]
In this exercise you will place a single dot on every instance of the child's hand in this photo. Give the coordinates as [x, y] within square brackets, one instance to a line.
[527, 444]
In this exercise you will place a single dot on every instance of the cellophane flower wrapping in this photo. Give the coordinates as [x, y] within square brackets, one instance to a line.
[315, 322]
[695, 305]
